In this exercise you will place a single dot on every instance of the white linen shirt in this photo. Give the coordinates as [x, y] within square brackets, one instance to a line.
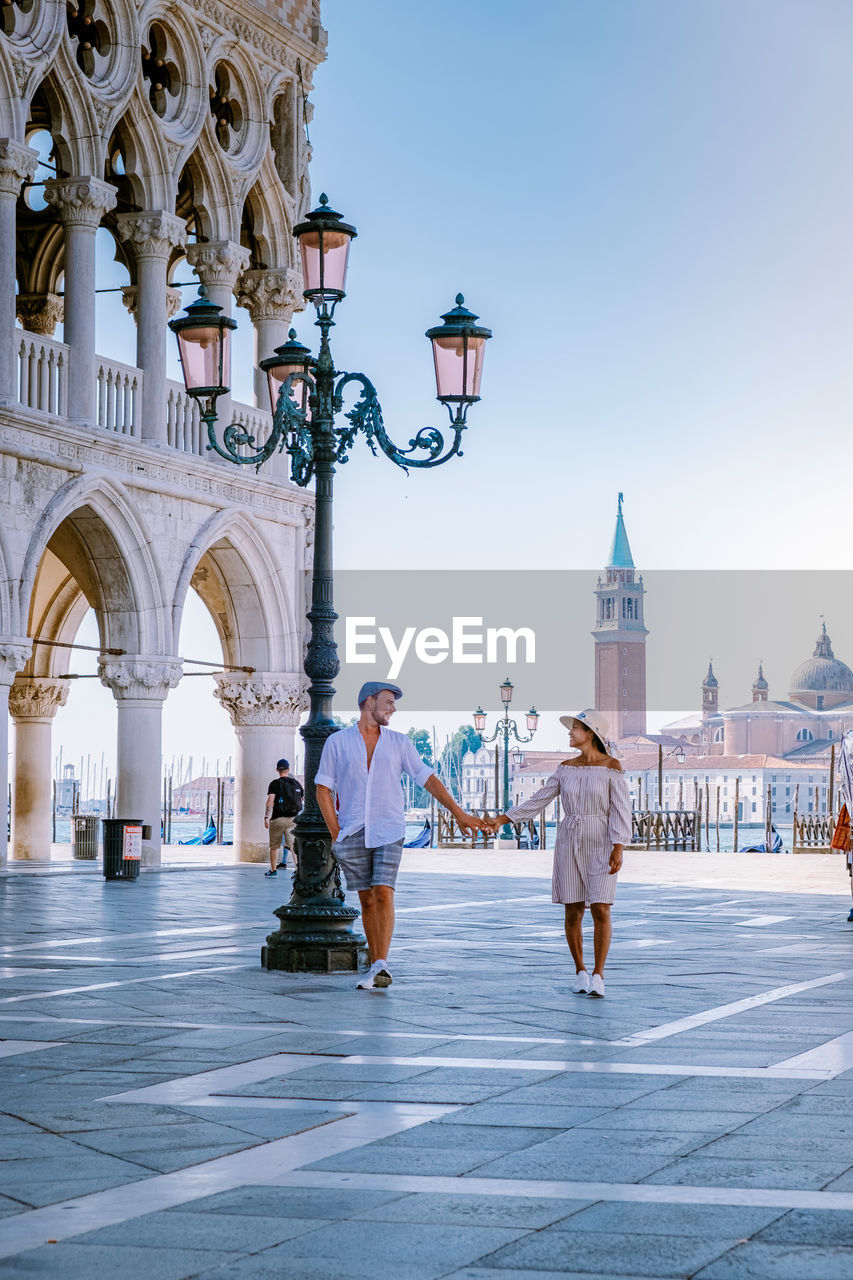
[370, 798]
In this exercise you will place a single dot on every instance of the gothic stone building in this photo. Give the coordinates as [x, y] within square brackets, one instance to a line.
[178, 129]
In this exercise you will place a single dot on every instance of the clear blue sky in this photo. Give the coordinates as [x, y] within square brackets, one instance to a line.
[650, 202]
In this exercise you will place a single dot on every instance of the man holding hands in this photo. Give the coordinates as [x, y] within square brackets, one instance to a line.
[361, 768]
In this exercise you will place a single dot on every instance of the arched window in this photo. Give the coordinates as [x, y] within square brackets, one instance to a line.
[805, 735]
[718, 735]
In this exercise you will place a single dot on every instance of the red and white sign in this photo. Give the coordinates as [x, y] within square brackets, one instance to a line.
[132, 844]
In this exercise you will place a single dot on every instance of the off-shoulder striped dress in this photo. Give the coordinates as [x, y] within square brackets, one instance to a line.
[596, 815]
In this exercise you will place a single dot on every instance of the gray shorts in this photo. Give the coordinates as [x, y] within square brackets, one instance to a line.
[365, 868]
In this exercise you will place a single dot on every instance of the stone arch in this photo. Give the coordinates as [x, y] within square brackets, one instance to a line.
[239, 581]
[90, 527]
[74, 125]
[271, 218]
[217, 211]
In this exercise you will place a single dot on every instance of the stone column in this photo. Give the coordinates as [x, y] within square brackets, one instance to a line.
[270, 297]
[17, 163]
[81, 204]
[139, 686]
[13, 658]
[265, 709]
[217, 264]
[153, 236]
[33, 704]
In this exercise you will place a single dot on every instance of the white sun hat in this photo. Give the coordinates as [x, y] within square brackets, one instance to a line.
[594, 720]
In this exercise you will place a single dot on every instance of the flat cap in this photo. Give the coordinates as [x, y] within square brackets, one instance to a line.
[371, 687]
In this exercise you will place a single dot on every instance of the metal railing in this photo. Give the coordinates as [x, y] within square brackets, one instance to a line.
[42, 374]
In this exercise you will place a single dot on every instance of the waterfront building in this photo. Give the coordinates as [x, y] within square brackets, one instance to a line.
[815, 715]
[178, 133]
[803, 783]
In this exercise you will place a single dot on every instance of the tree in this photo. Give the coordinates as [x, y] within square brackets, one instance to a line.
[422, 741]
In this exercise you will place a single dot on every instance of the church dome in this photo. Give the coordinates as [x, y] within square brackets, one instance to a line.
[822, 672]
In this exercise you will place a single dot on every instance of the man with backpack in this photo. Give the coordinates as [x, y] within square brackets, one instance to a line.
[284, 800]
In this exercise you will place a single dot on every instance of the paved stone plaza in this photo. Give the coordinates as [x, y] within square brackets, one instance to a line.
[169, 1110]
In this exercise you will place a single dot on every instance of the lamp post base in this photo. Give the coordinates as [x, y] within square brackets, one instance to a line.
[315, 939]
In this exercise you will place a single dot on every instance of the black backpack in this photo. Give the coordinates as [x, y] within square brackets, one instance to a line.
[288, 800]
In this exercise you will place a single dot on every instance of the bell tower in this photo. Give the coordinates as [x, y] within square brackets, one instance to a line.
[620, 639]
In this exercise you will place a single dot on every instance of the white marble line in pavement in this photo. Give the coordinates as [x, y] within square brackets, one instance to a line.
[8, 1048]
[646, 1193]
[233, 928]
[295, 1029]
[263, 1164]
[125, 982]
[667, 1029]
[758, 922]
[125, 937]
[196, 1090]
[157, 957]
[835, 1056]
[487, 902]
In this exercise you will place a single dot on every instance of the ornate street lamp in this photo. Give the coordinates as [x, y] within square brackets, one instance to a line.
[306, 394]
[506, 728]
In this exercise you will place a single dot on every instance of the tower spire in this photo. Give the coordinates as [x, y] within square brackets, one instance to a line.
[620, 550]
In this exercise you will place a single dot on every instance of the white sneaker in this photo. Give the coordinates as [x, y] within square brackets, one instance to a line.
[581, 982]
[377, 977]
[596, 987]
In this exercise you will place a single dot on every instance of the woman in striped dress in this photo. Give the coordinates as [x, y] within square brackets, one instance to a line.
[596, 823]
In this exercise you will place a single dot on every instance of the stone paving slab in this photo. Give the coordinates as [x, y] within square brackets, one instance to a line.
[450, 1125]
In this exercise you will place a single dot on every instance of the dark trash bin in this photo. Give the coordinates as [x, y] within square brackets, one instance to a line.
[122, 848]
[84, 836]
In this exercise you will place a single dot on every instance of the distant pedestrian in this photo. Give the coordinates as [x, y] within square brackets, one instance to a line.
[362, 768]
[284, 801]
[596, 825]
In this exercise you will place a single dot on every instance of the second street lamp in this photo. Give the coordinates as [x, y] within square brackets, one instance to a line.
[506, 728]
[317, 927]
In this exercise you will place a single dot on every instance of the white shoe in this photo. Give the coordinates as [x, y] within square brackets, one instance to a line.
[376, 978]
[581, 982]
[596, 987]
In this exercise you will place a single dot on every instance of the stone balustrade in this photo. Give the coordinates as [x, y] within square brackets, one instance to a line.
[42, 373]
[119, 396]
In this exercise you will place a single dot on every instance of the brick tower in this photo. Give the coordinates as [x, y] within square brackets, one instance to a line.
[620, 640]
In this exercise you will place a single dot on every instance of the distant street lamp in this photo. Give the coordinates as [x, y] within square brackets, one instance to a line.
[680, 757]
[506, 728]
[306, 394]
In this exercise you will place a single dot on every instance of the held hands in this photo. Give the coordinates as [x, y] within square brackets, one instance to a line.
[493, 825]
[468, 822]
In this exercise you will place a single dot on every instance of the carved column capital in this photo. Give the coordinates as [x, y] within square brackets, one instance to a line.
[270, 295]
[36, 699]
[80, 202]
[130, 298]
[266, 698]
[146, 679]
[14, 656]
[218, 262]
[40, 312]
[152, 233]
[17, 164]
